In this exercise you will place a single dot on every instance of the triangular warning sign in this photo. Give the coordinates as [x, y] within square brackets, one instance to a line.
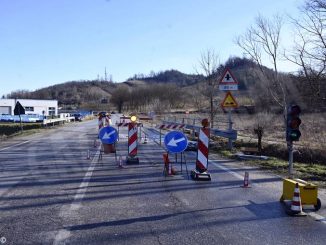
[229, 101]
[228, 78]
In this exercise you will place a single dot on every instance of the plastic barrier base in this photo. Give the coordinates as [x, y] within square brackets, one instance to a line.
[132, 160]
[195, 175]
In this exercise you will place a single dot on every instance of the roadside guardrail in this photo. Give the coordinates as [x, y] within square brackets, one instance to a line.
[57, 121]
[230, 134]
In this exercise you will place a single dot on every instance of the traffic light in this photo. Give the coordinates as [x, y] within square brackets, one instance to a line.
[293, 122]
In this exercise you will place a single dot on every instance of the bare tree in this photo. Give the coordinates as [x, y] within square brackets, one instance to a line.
[209, 64]
[263, 40]
[19, 94]
[197, 98]
[119, 97]
[309, 51]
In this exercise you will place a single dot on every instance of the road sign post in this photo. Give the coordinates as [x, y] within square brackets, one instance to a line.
[230, 129]
[19, 110]
[228, 81]
[176, 142]
[229, 102]
[108, 136]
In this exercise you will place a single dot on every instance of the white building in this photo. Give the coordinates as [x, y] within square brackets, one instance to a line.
[40, 107]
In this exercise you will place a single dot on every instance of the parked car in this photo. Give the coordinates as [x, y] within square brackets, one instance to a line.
[192, 146]
[102, 113]
[78, 117]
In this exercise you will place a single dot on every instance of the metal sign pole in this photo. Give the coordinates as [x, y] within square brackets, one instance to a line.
[184, 158]
[230, 128]
[193, 129]
[160, 136]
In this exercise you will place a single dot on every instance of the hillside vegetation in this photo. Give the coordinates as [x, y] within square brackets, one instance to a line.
[172, 89]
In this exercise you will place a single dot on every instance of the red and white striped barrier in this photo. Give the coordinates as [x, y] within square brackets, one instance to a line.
[202, 152]
[124, 124]
[100, 123]
[171, 126]
[132, 139]
[103, 121]
[107, 121]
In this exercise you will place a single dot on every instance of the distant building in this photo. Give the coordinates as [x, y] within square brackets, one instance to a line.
[48, 107]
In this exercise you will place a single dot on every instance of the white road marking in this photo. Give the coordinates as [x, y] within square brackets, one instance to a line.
[314, 215]
[3, 149]
[317, 217]
[227, 170]
[64, 234]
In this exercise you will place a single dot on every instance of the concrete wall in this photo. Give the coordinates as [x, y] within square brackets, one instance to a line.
[50, 107]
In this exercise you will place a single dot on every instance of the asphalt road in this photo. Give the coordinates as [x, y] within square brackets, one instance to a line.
[50, 193]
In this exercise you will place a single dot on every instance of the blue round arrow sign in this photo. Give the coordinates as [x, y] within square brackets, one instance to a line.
[108, 135]
[175, 141]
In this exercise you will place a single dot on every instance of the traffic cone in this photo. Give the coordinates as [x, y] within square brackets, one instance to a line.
[88, 155]
[296, 207]
[246, 180]
[167, 169]
[170, 169]
[145, 140]
[120, 163]
[173, 171]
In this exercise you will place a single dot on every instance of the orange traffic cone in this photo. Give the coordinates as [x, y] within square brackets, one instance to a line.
[167, 169]
[246, 180]
[296, 207]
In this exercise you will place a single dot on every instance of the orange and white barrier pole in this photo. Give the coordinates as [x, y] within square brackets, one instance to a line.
[132, 144]
[132, 139]
[200, 173]
[202, 151]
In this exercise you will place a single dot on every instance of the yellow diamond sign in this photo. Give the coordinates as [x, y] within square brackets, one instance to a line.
[229, 101]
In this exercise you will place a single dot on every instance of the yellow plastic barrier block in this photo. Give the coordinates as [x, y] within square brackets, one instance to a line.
[308, 192]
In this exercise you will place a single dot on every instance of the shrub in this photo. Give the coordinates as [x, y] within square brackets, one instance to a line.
[9, 129]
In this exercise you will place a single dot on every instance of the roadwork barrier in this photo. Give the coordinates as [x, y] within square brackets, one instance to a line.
[229, 134]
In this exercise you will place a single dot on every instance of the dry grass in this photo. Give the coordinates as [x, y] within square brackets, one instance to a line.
[310, 149]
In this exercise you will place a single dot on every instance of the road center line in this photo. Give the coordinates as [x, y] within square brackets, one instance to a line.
[64, 234]
[8, 147]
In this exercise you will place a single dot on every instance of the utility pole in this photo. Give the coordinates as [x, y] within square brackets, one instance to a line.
[105, 75]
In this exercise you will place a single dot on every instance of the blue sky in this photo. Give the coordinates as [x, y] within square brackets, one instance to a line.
[45, 42]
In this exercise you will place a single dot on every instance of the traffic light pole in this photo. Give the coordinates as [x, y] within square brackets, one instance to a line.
[290, 148]
[292, 132]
